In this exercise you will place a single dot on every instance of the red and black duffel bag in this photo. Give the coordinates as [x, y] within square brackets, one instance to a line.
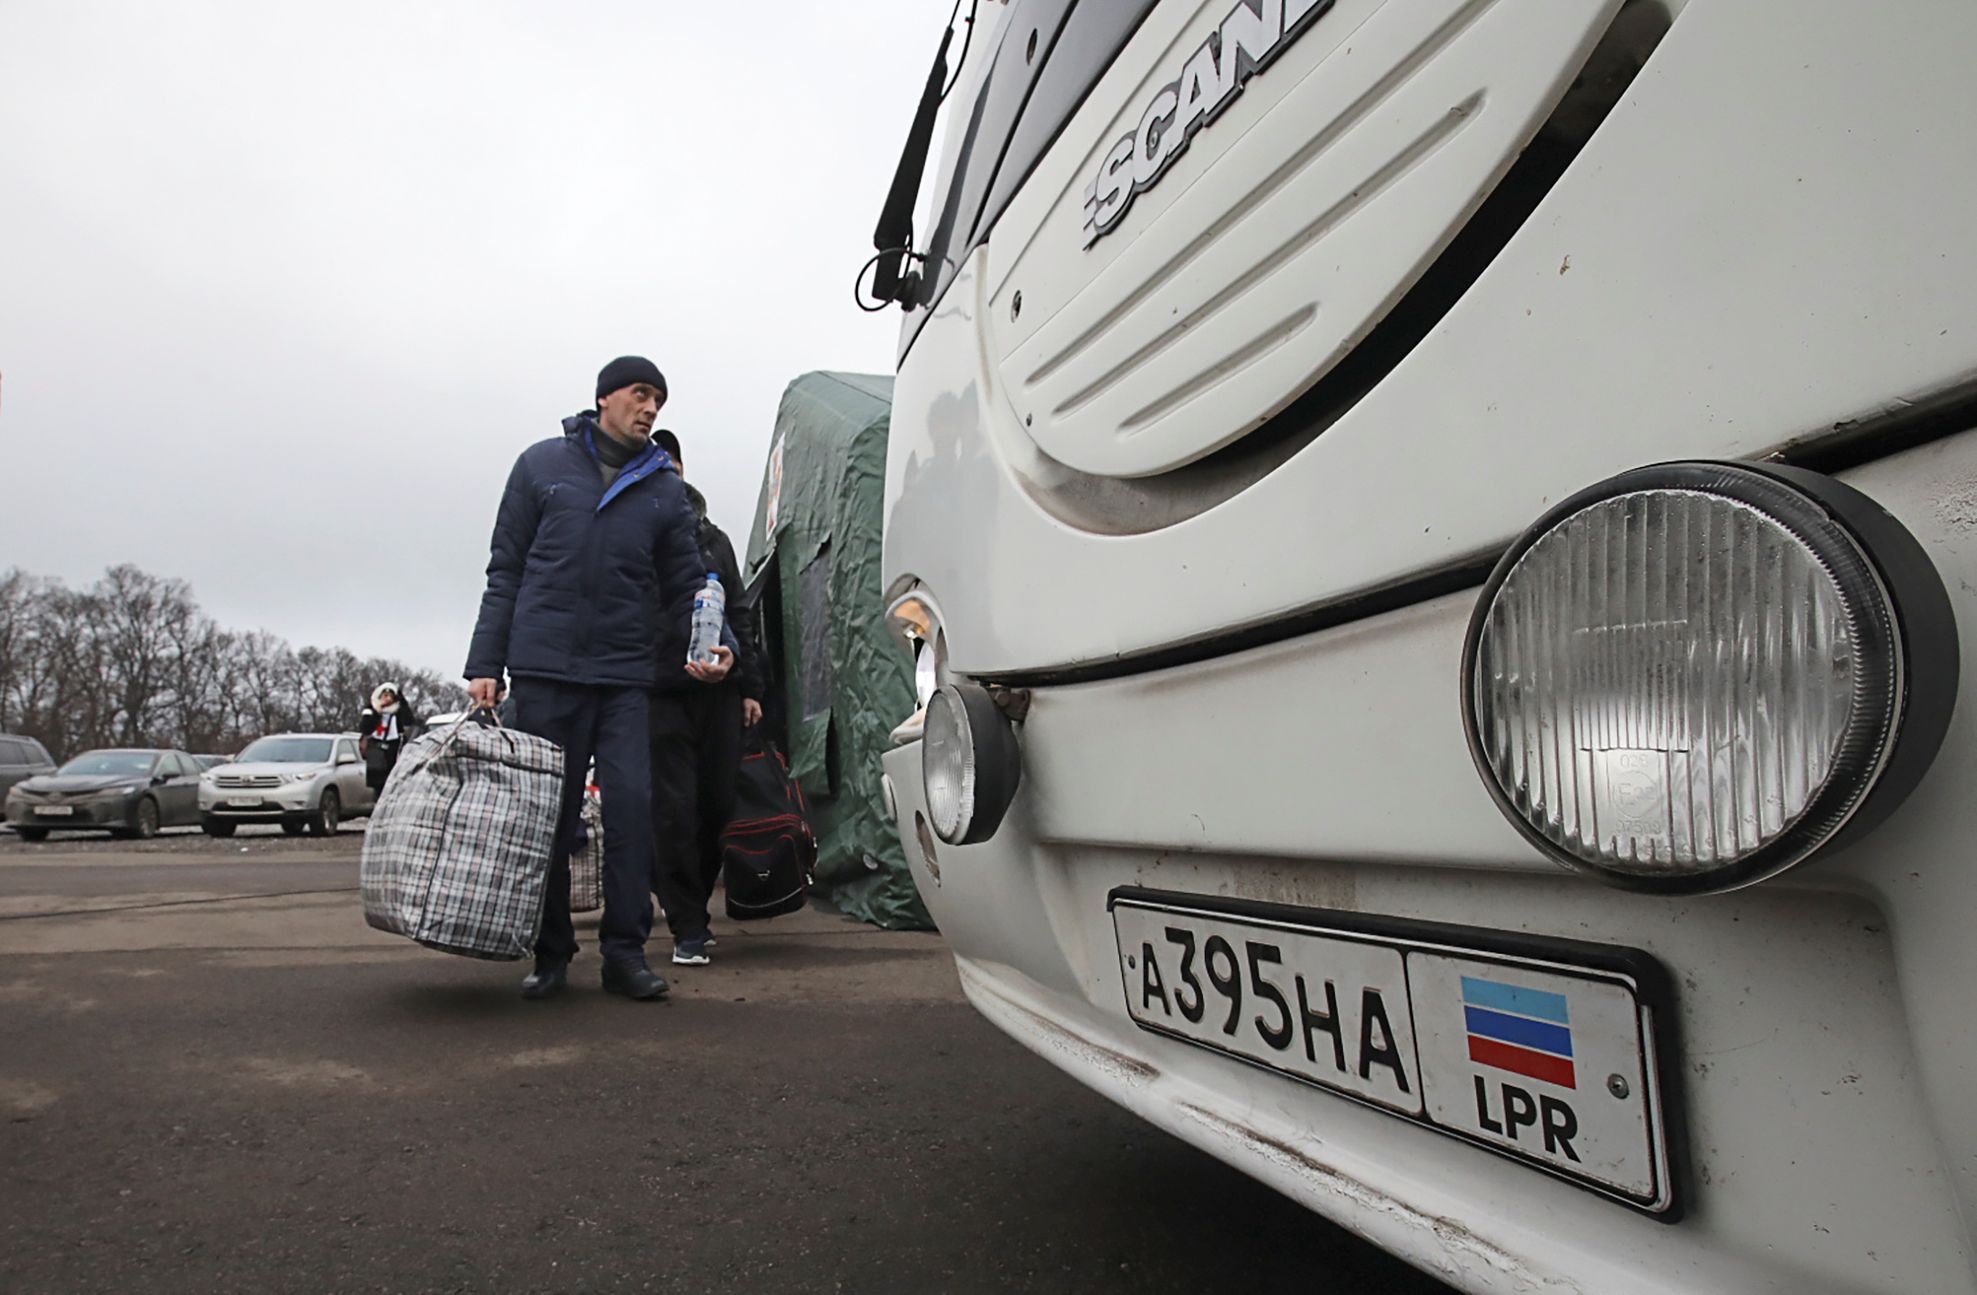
[767, 848]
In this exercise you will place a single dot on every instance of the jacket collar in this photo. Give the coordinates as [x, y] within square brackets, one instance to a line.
[582, 430]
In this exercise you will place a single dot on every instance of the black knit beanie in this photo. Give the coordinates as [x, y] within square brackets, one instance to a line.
[626, 370]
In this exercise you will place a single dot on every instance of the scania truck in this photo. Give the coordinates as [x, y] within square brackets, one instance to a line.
[1437, 538]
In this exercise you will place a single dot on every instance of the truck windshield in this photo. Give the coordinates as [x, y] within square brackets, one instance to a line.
[120, 764]
[287, 750]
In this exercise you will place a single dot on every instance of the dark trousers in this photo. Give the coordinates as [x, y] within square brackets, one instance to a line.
[609, 724]
[696, 759]
[380, 758]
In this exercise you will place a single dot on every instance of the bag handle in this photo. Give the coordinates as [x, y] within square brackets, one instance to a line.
[453, 731]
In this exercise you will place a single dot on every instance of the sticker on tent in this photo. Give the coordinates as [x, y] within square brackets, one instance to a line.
[775, 491]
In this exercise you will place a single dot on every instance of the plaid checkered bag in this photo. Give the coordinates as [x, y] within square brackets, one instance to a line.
[457, 850]
[587, 861]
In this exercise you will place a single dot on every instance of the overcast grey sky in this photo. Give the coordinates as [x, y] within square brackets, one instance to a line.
[284, 288]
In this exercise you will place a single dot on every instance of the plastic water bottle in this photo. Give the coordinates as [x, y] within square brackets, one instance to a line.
[710, 610]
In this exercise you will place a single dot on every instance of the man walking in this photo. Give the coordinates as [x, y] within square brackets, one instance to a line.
[590, 583]
[696, 753]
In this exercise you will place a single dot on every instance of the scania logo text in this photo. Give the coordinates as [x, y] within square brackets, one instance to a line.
[1246, 42]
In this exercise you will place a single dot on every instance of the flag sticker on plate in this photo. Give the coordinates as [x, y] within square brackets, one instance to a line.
[1545, 1064]
[1524, 1031]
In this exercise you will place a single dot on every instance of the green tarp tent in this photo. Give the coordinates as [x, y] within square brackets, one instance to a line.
[813, 576]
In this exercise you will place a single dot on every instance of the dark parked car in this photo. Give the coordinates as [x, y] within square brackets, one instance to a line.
[133, 793]
[21, 758]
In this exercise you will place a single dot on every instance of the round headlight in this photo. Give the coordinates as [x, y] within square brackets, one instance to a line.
[969, 762]
[1691, 677]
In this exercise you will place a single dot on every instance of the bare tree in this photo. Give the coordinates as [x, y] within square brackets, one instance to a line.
[18, 594]
[80, 704]
[133, 661]
[198, 714]
[39, 653]
[137, 617]
[263, 676]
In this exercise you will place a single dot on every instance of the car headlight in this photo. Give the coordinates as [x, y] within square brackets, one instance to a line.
[970, 763]
[298, 777]
[114, 793]
[1693, 676]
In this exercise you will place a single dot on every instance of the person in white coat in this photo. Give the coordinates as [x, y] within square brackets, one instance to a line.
[381, 733]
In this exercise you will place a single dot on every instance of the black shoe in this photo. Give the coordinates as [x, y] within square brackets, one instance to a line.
[633, 980]
[549, 977]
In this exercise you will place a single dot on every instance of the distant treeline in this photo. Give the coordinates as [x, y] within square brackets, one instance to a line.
[132, 661]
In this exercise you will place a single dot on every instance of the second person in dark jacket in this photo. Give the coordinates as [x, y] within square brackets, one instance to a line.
[696, 752]
[590, 582]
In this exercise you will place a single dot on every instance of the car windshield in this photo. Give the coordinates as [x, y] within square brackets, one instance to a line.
[126, 764]
[288, 750]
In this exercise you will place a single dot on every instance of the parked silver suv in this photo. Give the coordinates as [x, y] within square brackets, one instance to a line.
[300, 780]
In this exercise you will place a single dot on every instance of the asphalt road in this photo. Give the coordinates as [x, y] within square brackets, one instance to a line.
[214, 1077]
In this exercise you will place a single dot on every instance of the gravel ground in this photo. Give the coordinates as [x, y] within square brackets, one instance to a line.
[214, 1077]
[180, 840]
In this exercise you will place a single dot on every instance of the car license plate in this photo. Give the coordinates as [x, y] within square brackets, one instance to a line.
[1541, 1050]
[243, 802]
[54, 811]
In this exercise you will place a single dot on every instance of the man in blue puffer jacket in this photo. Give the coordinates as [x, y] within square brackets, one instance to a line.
[590, 584]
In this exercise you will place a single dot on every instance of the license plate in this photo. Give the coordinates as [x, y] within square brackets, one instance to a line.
[243, 802]
[1540, 1050]
[54, 811]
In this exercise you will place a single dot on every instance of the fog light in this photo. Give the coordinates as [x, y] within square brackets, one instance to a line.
[970, 763]
[1691, 677]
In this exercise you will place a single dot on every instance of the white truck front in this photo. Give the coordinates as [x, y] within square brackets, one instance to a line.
[1337, 752]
